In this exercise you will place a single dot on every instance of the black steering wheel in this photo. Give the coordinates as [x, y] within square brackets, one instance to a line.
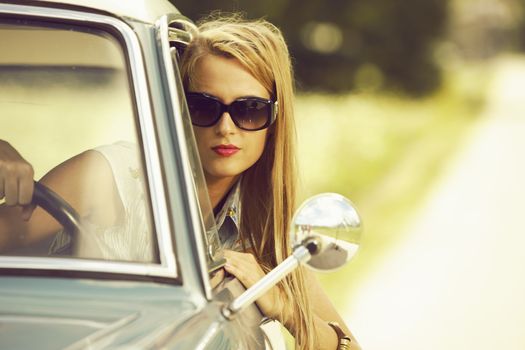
[58, 208]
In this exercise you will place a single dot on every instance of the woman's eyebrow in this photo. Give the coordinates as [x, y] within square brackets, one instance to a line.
[251, 96]
[198, 91]
[220, 99]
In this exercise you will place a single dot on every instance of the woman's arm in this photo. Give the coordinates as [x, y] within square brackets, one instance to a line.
[244, 266]
[84, 181]
[325, 312]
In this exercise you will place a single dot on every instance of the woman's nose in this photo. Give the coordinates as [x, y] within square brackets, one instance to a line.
[225, 125]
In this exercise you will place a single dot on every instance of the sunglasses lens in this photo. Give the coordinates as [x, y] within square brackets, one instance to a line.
[251, 114]
[204, 111]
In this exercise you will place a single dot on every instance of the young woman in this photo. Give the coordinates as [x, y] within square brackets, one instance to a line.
[229, 61]
[239, 87]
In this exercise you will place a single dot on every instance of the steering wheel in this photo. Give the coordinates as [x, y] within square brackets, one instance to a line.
[58, 208]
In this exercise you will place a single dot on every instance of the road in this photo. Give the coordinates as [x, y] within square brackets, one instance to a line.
[457, 281]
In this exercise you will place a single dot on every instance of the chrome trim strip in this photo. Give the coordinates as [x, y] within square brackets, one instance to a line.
[168, 266]
[82, 265]
[49, 320]
[181, 30]
[196, 219]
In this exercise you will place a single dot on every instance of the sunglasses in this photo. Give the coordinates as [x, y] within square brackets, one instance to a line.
[247, 113]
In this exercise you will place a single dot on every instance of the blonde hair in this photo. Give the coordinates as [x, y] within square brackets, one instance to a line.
[268, 187]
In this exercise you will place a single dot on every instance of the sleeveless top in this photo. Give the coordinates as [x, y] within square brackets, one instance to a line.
[131, 237]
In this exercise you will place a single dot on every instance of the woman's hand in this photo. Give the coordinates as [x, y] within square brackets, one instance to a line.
[216, 278]
[16, 179]
[247, 270]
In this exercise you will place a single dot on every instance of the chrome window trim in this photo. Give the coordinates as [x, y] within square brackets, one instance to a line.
[82, 265]
[168, 266]
[162, 26]
[181, 30]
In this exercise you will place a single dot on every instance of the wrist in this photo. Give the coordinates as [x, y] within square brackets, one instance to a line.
[288, 324]
[285, 317]
[282, 311]
[343, 340]
[286, 321]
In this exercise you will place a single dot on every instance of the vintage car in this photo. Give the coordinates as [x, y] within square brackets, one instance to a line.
[76, 75]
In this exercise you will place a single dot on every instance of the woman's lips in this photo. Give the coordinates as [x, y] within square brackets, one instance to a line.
[225, 150]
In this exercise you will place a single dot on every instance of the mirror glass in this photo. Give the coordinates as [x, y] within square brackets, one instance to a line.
[332, 222]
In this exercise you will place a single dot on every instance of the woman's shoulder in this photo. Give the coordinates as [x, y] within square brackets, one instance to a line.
[123, 159]
[119, 152]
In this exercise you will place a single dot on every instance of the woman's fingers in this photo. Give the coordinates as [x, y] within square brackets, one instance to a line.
[25, 184]
[11, 189]
[16, 177]
[247, 270]
[244, 267]
[27, 211]
[216, 278]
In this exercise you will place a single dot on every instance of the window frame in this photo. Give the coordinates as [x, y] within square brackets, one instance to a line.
[165, 271]
[180, 119]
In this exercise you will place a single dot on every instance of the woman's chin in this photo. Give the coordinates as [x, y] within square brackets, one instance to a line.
[222, 174]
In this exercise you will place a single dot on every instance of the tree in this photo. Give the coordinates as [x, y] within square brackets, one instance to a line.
[338, 45]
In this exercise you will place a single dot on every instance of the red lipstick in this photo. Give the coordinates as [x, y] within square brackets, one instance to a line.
[225, 150]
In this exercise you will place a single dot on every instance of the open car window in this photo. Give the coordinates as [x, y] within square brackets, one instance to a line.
[65, 89]
[175, 33]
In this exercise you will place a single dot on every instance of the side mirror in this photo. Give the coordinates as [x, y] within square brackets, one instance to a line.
[325, 233]
[330, 227]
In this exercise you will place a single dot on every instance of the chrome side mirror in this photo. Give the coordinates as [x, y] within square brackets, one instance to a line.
[325, 233]
[329, 225]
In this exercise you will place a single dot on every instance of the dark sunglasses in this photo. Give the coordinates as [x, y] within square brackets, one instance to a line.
[247, 113]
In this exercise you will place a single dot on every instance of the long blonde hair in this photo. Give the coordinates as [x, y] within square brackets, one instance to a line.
[268, 187]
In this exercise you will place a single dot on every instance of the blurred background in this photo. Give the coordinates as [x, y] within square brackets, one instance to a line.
[413, 109]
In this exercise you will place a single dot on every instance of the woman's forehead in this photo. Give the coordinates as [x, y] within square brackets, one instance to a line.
[225, 78]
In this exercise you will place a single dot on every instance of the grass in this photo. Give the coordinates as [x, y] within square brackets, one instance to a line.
[382, 151]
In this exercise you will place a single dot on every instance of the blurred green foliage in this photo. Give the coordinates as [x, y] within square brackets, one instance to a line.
[358, 44]
[384, 152]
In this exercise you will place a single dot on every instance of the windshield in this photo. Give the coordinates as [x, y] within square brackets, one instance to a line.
[66, 107]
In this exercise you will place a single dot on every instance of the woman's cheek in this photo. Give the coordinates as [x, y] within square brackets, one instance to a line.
[257, 145]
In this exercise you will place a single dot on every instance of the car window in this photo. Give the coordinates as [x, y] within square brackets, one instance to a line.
[65, 90]
[211, 237]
